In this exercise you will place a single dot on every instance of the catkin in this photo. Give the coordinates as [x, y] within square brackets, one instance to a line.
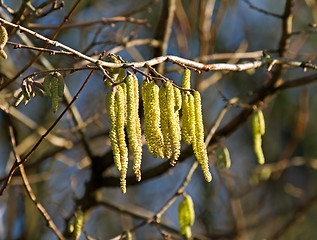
[47, 84]
[110, 104]
[54, 92]
[167, 143]
[186, 79]
[153, 133]
[258, 124]
[60, 84]
[120, 121]
[124, 98]
[3, 41]
[185, 119]
[186, 115]
[173, 120]
[200, 147]
[178, 99]
[186, 216]
[133, 123]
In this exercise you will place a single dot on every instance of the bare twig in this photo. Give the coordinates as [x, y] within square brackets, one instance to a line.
[50, 51]
[87, 24]
[30, 192]
[164, 29]
[40, 53]
[262, 10]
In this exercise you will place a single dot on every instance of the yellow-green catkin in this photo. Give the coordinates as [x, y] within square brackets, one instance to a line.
[153, 133]
[186, 125]
[178, 99]
[3, 41]
[186, 79]
[258, 125]
[124, 90]
[120, 122]
[110, 104]
[191, 129]
[173, 120]
[133, 123]
[54, 91]
[78, 224]
[200, 147]
[115, 73]
[186, 216]
[167, 143]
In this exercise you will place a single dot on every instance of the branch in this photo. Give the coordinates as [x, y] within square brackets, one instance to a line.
[262, 10]
[29, 190]
[86, 24]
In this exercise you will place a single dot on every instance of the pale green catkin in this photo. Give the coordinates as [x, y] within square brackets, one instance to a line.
[120, 121]
[258, 125]
[173, 120]
[201, 151]
[186, 216]
[54, 91]
[153, 133]
[167, 143]
[110, 104]
[133, 123]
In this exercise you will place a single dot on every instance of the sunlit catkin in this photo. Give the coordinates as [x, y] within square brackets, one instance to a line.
[153, 133]
[3, 41]
[133, 123]
[200, 147]
[178, 99]
[167, 143]
[173, 120]
[186, 79]
[258, 125]
[185, 119]
[110, 104]
[120, 121]
[186, 125]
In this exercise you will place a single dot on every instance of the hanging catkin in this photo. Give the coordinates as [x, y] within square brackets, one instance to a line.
[200, 147]
[153, 133]
[133, 123]
[173, 120]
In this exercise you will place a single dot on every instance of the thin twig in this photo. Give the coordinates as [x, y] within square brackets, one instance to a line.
[262, 10]
[157, 216]
[40, 53]
[219, 119]
[50, 51]
[29, 190]
[87, 24]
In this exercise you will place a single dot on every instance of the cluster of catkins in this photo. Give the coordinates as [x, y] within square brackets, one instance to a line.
[52, 87]
[161, 121]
